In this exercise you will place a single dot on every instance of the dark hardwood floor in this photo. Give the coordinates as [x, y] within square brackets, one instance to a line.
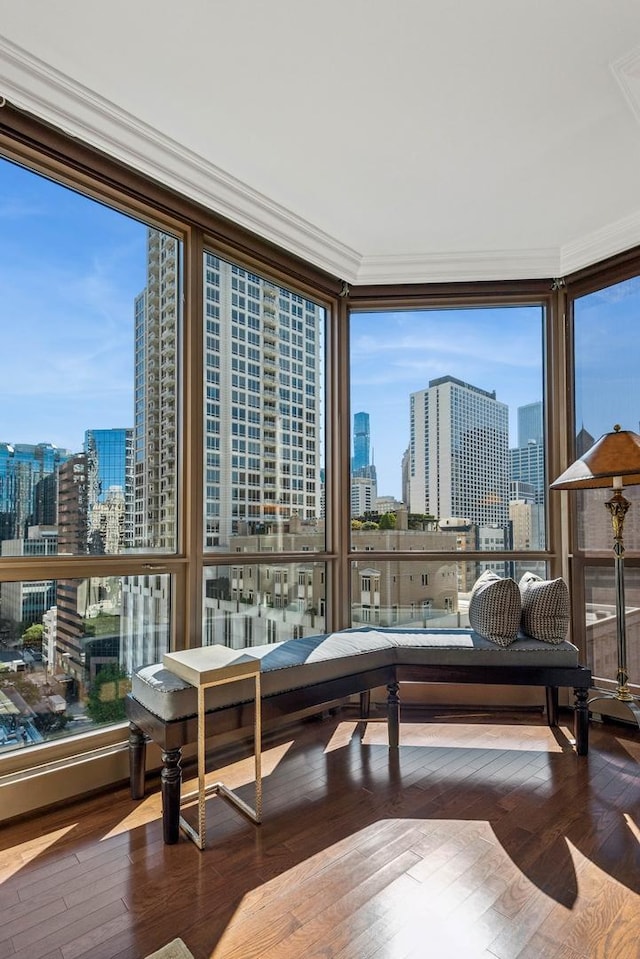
[484, 836]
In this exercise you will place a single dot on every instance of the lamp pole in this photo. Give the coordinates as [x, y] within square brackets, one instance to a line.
[613, 458]
[618, 506]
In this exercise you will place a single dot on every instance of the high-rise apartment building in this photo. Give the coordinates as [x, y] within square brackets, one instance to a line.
[155, 402]
[263, 415]
[73, 497]
[459, 453]
[262, 403]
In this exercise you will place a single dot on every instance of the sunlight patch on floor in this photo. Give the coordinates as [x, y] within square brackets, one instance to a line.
[148, 810]
[234, 775]
[15, 858]
[342, 736]
[242, 772]
[519, 737]
[633, 826]
[323, 881]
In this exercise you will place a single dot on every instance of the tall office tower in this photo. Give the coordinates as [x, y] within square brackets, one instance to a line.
[527, 468]
[28, 489]
[459, 449]
[110, 455]
[263, 391]
[530, 426]
[155, 403]
[361, 441]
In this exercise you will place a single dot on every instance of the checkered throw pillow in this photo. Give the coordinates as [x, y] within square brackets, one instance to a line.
[495, 608]
[545, 608]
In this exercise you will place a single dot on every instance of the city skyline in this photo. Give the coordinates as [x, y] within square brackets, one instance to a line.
[396, 354]
[70, 271]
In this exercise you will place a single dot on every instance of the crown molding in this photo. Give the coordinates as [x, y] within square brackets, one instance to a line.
[626, 71]
[460, 267]
[617, 237]
[34, 86]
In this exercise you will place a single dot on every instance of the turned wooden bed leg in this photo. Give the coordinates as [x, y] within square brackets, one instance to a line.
[171, 781]
[393, 715]
[365, 703]
[581, 722]
[137, 761]
[552, 705]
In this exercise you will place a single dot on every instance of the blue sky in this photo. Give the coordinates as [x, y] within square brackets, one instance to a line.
[607, 349]
[395, 354]
[69, 273]
[70, 270]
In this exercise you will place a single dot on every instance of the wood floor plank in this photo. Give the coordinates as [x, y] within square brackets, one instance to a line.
[40, 939]
[488, 839]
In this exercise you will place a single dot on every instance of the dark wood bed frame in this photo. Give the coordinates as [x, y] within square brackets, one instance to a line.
[236, 722]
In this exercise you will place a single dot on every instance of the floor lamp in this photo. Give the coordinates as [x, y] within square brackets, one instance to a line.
[613, 458]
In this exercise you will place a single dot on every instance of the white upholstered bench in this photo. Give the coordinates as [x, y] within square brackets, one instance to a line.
[304, 674]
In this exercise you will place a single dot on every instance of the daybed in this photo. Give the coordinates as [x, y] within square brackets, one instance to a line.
[310, 672]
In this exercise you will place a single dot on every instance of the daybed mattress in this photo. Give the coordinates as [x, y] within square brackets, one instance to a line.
[296, 663]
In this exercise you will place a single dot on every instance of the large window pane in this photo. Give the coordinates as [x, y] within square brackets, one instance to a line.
[252, 604]
[89, 313]
[600, 609]
[263, 414]
[447, 429]
[607, 392]
[66, 669]
[418, 594]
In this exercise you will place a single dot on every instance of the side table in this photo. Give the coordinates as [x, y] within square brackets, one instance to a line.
[205, 667]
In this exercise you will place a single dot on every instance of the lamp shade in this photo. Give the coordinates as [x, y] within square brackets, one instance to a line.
[614, 454]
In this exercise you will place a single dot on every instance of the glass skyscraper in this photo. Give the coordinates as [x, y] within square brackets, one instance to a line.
[28, 486]
[361, 441]
[109, 455]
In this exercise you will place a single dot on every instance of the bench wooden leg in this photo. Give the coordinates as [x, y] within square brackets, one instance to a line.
[581, 722]
[171, 781]
[137, 761]
[393, 715]
[365, 703]
[552, 705]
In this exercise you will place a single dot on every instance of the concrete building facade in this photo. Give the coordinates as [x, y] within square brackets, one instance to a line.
[459, 456]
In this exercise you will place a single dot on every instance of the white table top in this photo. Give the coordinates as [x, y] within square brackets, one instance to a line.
[210, 664]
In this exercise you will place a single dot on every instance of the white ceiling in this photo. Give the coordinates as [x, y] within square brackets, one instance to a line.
[383, 140]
